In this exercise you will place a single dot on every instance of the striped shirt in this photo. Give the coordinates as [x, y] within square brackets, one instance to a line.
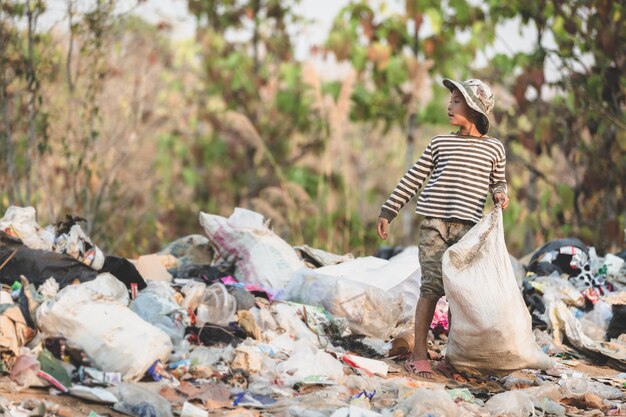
[462, 170]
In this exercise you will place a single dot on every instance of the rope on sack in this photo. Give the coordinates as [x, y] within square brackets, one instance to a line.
[461, 262]
[6, 261]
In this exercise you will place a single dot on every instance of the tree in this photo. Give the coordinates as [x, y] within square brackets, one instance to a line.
[572, 130]
[23, 63]
[255, 117]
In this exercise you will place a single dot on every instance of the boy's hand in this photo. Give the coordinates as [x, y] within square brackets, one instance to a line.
[382, 227]
[501, 198]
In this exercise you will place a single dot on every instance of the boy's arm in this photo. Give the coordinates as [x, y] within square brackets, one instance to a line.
[408, 186]
[497, 179]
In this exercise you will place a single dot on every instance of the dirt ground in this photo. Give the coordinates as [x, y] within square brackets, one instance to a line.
[69, 406]
[73, 407]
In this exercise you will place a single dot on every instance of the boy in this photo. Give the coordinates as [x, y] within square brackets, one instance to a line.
[463, 167]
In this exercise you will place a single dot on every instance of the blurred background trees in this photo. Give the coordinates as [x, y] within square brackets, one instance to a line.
[109, 118]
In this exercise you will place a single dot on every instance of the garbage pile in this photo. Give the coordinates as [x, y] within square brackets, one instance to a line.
[240, 322]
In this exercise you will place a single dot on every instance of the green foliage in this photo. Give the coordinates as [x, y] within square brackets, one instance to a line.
[385, 49]
[582, 121]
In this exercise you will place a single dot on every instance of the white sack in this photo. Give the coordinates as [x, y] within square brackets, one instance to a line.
[261, 257]
[491, 328]
[92, 317]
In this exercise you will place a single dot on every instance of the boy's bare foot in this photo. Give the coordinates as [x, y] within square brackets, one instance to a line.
[420, 368]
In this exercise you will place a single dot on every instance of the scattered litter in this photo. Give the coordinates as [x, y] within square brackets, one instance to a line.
[240, 323]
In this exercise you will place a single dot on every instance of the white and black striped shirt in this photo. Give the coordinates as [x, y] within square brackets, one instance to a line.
[462, 169]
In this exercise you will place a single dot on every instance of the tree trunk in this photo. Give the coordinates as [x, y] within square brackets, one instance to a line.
[7, 140]
[31, 77]
[411, 135]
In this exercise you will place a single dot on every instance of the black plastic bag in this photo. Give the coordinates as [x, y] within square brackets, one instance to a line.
[39, 265]
[562, 261]
[123, 270]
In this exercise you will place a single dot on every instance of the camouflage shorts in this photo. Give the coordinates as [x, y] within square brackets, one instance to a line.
[436, 236]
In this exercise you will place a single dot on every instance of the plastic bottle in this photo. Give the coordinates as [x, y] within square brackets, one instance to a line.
[575, 385]
[217, 306]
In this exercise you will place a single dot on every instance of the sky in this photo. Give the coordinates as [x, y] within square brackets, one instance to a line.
[512, 37]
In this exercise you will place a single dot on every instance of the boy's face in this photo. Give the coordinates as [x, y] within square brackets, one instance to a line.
[458, 110]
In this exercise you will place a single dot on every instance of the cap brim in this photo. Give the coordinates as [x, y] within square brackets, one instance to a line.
[451, 85]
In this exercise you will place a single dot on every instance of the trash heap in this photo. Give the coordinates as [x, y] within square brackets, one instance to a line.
[238, 322]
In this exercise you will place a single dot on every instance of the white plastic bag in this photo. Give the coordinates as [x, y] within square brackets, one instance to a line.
[92, 318]
[308, 360]
[369, 310]
[491, 328]
[563, 322]
[78, 245]
[510, 404]
[156, 305]
[553, 287]
[21, 222]
[427, 402]
[399, 277]
[138, 401]
[384, 291]
[261, 257]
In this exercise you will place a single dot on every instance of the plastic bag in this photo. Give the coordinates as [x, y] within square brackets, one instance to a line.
[108, 287]
[113, 336]
[39, 265]
[95, 394]
[491, 327]
[140, 402]
[156, 305]
[26, 368]
[428, 402]
[78, 245]
[563, 321]
[369, 310]
[207, 356]
[511, 404]
[399, 277]
[519, 270]
[287, 318]
[405, 264]
[601, 314]
[308, 360]
[21, 222]
[553, 287]
[261, 256]
[318, 257]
